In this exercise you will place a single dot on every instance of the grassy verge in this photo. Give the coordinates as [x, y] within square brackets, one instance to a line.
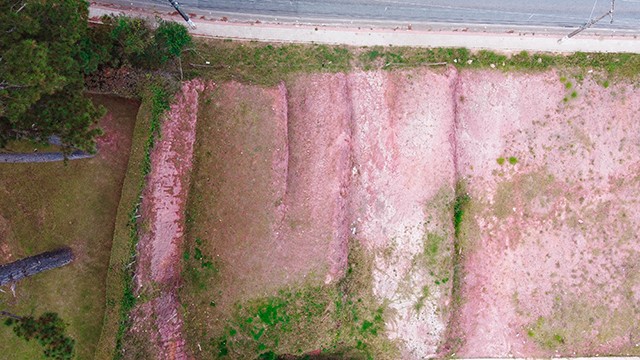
[48, 205]
[626, 65]
[120, 298]
[261, 63]
[268, 64]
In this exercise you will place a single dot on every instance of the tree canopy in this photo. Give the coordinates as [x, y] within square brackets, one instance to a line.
[48, 330]
[46, 49]
[41, 72]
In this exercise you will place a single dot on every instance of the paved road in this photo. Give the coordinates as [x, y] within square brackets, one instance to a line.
[545, 13]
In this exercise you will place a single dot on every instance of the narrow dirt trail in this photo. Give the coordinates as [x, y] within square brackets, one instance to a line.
[162, 232]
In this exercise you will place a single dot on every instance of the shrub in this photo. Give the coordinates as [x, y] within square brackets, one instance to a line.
[48, 330]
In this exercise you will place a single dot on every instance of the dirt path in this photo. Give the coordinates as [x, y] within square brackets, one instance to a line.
[158, 320]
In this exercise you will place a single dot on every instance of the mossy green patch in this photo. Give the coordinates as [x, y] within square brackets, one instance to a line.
[575, 322]
[342, 318]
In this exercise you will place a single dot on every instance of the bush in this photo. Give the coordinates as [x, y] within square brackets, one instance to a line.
[171, 38]
[135, 42]
[48, 330]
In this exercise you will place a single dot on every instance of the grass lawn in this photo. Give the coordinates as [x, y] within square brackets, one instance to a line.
[48, 205]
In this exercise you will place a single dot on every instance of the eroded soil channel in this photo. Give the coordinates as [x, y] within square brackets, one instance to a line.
[339, 191]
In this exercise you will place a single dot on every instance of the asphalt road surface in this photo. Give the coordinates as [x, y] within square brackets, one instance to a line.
[538, 13]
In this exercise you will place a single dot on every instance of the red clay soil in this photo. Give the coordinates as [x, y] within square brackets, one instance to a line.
[163, 207]
[288, 175]
[552, 261]
[317, 221]
[277, 180]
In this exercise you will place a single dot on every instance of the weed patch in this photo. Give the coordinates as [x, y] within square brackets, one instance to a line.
[343, 318]
[262, 64]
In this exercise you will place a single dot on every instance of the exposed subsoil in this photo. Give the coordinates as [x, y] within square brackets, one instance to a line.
[552, 263]
[157, 275]
[295, 171]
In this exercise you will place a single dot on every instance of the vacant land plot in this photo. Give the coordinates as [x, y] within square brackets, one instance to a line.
[414, 214]
[48, 205]
[552, 243]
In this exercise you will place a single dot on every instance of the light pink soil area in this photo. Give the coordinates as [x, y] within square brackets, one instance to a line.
[552, 261]
[403, 174]
[163, 207]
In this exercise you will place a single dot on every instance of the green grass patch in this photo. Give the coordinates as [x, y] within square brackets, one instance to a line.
[262, 63]
[513, 160]
[463, 226]
[500, 160]
[340, 319]
[50, 205]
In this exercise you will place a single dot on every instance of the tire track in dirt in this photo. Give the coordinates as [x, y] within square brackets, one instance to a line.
[162, 230]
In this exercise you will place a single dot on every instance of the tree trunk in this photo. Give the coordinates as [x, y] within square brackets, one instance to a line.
[32, 265]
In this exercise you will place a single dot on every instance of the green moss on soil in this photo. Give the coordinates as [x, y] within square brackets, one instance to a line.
[340, 319]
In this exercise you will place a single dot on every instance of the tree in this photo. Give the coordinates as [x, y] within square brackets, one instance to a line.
[137, 43]
[48, 330]
[45, 50]
[171, 38]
